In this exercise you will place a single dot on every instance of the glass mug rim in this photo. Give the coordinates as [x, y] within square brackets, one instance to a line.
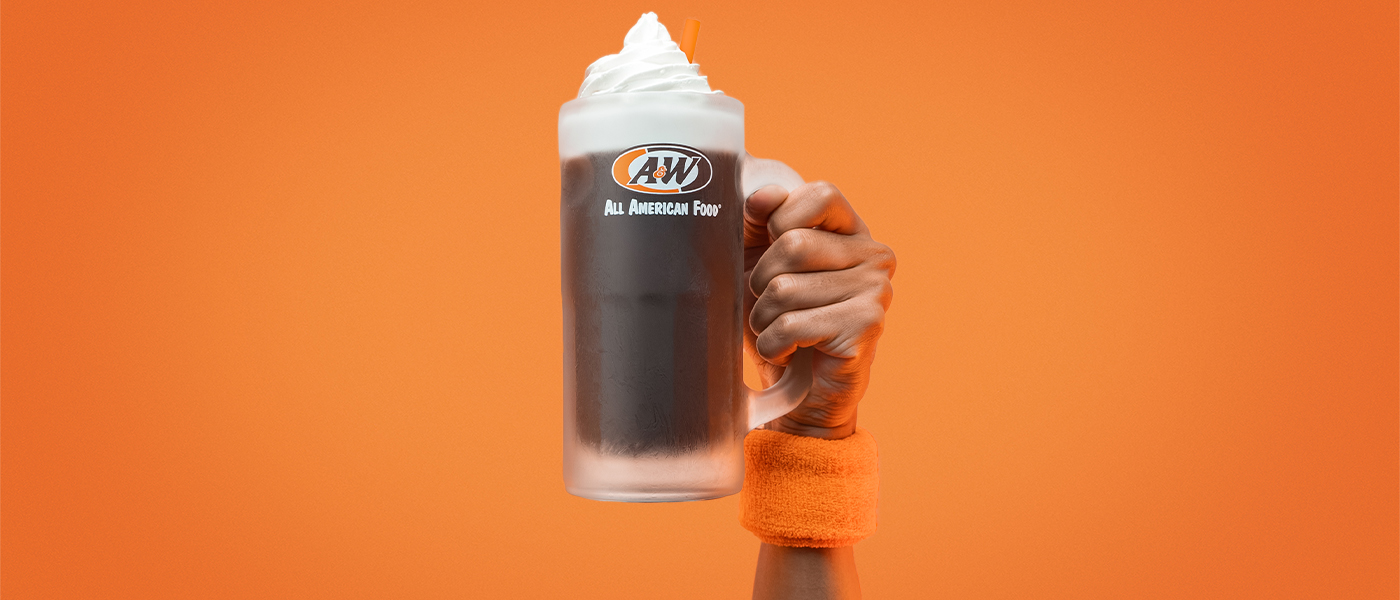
[711, 100]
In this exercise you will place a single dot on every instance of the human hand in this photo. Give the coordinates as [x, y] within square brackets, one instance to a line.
[815, 278]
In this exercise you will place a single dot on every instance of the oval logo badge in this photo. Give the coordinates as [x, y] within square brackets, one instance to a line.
[662, 169]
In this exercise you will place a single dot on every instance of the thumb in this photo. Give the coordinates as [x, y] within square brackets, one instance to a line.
[757, 208]
[765, 184]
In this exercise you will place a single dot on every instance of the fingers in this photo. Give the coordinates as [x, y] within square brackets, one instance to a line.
[771, 211]
[808, 250]
[815, 205]
[817, 278]
[844, 330]
[797, 291]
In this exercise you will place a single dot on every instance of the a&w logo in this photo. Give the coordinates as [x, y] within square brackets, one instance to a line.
[662, 169]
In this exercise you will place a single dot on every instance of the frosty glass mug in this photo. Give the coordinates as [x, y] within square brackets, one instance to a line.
[651, 217]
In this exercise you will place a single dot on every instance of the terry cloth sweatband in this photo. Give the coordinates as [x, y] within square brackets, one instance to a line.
[809, 492]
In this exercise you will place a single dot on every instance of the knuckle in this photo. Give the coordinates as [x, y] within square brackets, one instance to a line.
[870, 315]
[883, 257]
[785, 325]
[826, 190]
[886, 292]
[793, 246]
[782, 288]
[866, 281]
[794, 243]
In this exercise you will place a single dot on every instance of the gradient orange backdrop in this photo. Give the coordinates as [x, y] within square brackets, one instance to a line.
[281, 311]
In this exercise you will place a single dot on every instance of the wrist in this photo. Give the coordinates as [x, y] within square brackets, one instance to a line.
[805, 492]
[791, 426]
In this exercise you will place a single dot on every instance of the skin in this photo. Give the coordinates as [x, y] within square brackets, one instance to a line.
[816, 279]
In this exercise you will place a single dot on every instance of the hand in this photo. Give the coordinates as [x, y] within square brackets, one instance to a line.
[815, 278]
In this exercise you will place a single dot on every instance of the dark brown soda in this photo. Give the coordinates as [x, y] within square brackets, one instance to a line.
[651, 311]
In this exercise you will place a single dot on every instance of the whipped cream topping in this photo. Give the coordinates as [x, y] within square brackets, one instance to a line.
[649, 62]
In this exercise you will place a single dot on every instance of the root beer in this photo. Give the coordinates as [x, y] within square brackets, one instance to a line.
[651, 238]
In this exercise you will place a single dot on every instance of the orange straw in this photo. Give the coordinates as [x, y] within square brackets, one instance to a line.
[688, 35]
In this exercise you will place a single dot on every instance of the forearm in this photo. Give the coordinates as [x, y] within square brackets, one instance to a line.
[806, 573]
[809, 501]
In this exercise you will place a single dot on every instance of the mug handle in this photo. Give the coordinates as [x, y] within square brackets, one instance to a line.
[791, 389]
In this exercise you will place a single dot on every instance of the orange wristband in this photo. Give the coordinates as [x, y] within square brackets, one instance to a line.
[809, 492]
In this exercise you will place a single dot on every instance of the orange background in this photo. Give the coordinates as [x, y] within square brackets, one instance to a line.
[282, 315]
